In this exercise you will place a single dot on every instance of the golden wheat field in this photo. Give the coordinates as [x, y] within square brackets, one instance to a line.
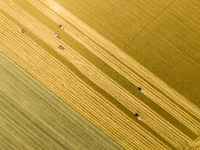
[85, 95]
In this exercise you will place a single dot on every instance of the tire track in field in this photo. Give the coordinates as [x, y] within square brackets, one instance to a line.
[152, 93]
[30, 56]
[127, 60]
[113, 87]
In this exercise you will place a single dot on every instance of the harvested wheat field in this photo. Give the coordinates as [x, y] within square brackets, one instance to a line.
[79, 89]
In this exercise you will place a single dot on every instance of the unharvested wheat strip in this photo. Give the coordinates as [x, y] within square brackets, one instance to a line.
[124, 57]
[154, 95]
[160, 36]
[192, 8]
[188, 30]
[93, 73]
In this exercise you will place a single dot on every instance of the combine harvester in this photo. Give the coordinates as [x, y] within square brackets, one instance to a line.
[137, 116]
[56, 35]
[62, 48]
[61, 27]
[22, 31]
[141, 90]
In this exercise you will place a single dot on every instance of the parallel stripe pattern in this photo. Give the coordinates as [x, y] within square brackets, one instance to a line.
[83, 98]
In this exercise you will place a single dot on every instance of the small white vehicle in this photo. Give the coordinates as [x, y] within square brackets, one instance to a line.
[22, 31]
[141, 90]
[56, 35]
